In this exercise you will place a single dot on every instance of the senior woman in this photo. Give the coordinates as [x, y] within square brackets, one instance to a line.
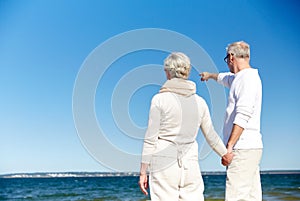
[170, 148]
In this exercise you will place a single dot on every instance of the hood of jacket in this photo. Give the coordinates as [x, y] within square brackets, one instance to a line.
[179, 86]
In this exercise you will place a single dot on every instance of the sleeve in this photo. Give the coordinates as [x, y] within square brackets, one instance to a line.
[210, 134]
[225, 79]
[151, 135]
[245, 95]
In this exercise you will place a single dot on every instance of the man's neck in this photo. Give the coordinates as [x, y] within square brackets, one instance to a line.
[242, 65]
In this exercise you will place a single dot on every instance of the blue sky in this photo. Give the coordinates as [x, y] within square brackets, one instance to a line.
[43, 45]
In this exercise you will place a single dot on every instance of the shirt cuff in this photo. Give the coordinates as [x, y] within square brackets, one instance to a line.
[241, 120]
[146, 159]
[220, 78]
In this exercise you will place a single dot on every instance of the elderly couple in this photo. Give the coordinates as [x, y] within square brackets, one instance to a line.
[170, 150]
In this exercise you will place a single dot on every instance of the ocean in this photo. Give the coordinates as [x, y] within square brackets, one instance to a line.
[124, 187]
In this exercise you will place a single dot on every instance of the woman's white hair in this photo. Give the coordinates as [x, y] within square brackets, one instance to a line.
[178, 65]
[239, 49]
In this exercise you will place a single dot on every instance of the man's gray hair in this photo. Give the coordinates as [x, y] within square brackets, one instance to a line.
[178, 65]
[239, 49]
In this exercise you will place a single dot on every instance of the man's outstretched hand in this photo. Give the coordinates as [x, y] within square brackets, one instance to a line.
[204, 76]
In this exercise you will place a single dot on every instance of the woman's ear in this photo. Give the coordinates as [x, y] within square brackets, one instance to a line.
[168, 74]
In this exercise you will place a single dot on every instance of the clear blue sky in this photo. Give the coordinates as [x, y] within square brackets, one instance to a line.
[43, 45]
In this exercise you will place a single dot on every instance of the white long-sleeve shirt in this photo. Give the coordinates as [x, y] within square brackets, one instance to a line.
[244, 107]
[174, 120]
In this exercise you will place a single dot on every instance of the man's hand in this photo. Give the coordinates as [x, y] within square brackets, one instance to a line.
[206, 76]
[143, 183]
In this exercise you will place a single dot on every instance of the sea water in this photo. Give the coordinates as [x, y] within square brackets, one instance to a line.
[284, 186]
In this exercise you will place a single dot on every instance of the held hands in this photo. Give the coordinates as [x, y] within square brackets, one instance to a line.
[143, 183]
[227, 158]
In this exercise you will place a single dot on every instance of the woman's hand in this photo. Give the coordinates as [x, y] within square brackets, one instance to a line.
[143, 183]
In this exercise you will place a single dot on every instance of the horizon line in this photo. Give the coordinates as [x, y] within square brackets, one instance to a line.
[124, 173]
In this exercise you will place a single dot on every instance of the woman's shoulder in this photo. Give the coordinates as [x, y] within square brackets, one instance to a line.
[199, 98]
[201, 101]
[161, 96]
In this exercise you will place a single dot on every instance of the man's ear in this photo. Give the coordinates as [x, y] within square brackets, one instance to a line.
[231, 58]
